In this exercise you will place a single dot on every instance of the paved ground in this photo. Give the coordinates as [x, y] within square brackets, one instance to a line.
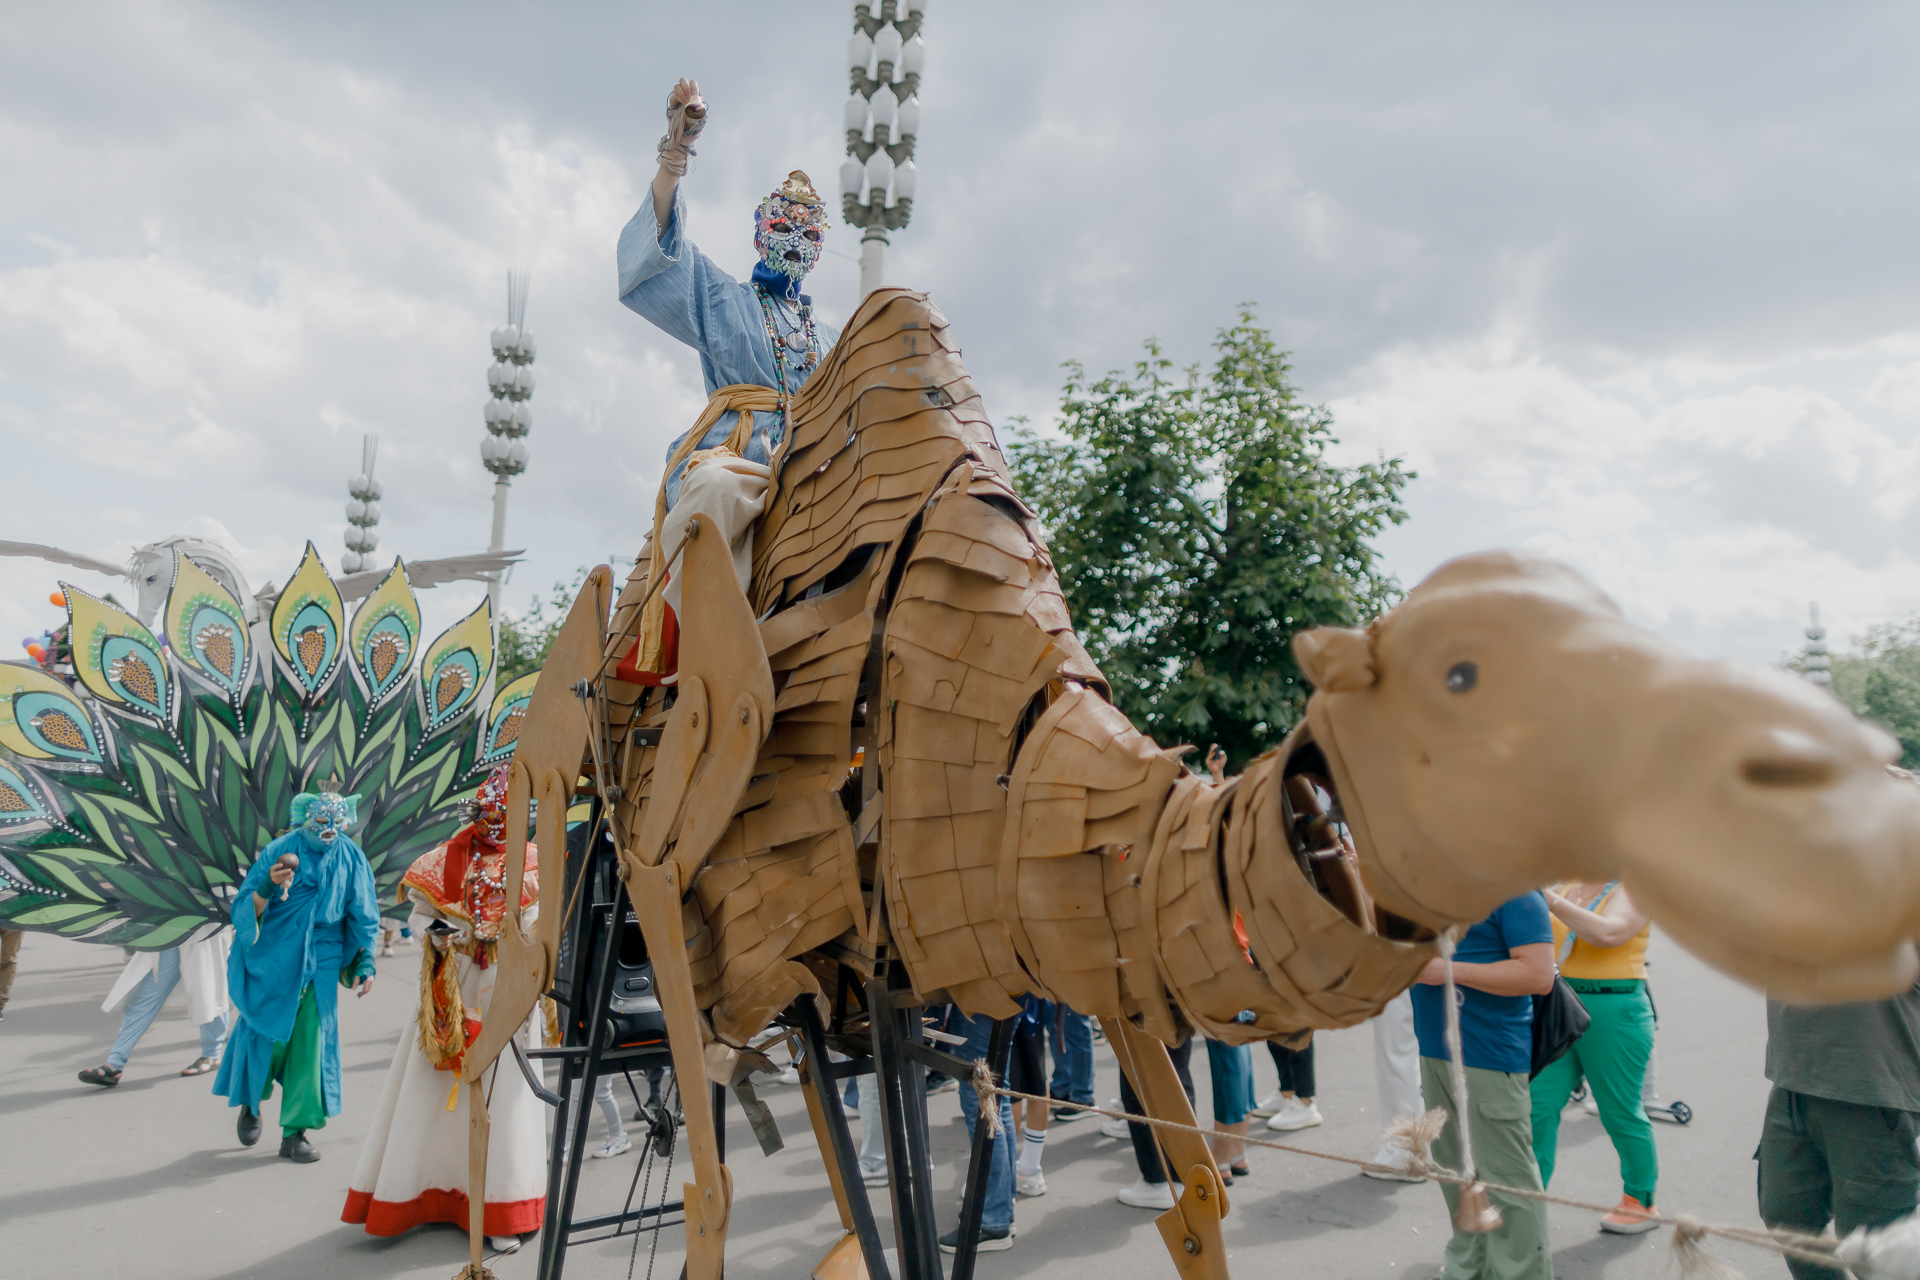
[146, 1181]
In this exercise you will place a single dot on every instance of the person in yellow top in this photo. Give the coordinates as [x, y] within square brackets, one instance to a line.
[1600, 940]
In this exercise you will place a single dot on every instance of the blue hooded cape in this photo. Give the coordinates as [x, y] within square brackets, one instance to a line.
[322, 934]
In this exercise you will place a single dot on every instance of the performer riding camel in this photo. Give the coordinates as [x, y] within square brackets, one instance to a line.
[759, 342]
[305, 917]
[413, 1166]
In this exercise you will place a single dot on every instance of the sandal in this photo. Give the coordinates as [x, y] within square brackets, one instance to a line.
[104, 1076]
[1226, 1175]
[1239, 1169]
[200, 1066]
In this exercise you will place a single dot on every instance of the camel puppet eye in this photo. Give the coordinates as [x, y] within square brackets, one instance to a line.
[1462, 676]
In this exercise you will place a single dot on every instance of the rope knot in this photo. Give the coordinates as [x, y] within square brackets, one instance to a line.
[983, 1092]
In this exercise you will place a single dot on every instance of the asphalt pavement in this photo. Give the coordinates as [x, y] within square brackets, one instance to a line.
[146, 1181]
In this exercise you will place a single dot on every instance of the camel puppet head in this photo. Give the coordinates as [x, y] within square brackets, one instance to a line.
[1505, 727]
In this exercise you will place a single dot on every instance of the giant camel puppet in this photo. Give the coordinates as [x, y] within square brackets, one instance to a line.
[1006, 830]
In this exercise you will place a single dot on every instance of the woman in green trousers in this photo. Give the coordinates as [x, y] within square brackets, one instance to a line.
[1600, 938]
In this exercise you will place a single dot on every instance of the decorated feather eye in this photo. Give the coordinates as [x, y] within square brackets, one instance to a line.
[1462, 676]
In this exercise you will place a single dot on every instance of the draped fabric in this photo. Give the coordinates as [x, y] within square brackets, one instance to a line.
[321, 935]
[413, 1165]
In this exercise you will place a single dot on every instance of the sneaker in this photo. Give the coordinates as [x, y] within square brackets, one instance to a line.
[618, 1145]
[790, 1076]
[1630, 1218]
[991, 1241]
[504, 1244]
[1297, 1116]
[1111, 1128]
[943, 1085]
[1274, 1103]
[1148, 1195]
[1589, 1105]
[1065, 1114]
[1391, 1164]
[874, 1177]
[1030, 1184]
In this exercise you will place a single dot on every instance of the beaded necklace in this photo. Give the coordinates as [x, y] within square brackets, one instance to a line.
[485, 896]
[803, 338]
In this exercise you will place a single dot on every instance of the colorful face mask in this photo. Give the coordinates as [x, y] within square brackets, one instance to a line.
[789, 227]
[325, 815]
[490, 806]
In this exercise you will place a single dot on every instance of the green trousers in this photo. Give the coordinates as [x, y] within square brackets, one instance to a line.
[1822, 1160]
[1612, 1055]
[296, 1065]
[1498, 1110]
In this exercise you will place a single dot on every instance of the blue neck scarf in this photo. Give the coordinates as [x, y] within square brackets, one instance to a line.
[779, 284]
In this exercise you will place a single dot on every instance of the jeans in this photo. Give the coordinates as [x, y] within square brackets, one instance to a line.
[1072, 1042]
[143, 1006]
[997, 1213]
[873, 1143]
[1824, 1160]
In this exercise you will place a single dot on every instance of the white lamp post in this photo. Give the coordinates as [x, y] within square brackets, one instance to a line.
[508, 416]
[363, 511]
[884, 60]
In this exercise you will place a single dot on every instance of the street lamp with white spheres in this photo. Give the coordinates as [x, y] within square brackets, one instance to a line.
[885, 59]
[508, 416]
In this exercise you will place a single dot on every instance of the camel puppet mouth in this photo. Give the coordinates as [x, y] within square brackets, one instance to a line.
[1318, 835]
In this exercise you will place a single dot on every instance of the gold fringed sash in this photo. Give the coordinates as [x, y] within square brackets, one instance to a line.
[747, 400]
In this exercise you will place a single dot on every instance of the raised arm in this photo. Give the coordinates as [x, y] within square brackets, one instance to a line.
[686, 117]
[1527, 971]
[1617, 921]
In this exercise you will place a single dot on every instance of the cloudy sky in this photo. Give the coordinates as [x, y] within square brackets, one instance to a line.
[1630, 284]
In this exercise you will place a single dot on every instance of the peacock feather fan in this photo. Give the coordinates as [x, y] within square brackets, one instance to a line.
[133, 803]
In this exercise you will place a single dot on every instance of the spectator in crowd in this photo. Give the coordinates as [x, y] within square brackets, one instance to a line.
[1072, 1081]
[146, 982]
[1396, 1077]
[1600, 939]
[996, 1214]
[1231, 1067]
[1838, 1141]
[1291, 1105]
[1027, 1073]
[10, 940]
[1499, 966]
[1152, 1191]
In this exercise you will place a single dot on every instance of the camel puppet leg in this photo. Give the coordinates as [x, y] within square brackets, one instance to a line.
[1191, 1228]
[547, 758]
[713, 735]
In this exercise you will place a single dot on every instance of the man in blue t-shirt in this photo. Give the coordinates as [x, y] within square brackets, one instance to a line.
[1499, 966]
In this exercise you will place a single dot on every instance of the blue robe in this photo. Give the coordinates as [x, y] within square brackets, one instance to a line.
[669, 281]
[323, 935]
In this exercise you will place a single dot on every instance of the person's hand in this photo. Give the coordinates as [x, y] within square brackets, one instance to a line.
[366, 985]
[1217, 763]
[1434, 975]
[686, 93]
[281, 875]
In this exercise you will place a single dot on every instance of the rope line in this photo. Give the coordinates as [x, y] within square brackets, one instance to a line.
[1688, 1229]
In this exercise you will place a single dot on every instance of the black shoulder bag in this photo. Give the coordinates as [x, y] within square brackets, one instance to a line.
[1558, 1016]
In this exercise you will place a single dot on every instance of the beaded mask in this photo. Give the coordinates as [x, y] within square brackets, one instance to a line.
[490, 806]
[789, 227]
[325, 815]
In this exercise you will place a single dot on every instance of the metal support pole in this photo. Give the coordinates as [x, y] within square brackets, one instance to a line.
[496, 546]
[873, 255]
[814, 1037]
[903, 1118]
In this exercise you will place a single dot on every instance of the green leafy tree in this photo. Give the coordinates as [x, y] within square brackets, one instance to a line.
[1197, 525]
[526, 638]
[1879, 680]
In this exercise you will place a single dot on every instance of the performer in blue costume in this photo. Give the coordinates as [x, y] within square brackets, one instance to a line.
[298, 929]
[759, 342]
